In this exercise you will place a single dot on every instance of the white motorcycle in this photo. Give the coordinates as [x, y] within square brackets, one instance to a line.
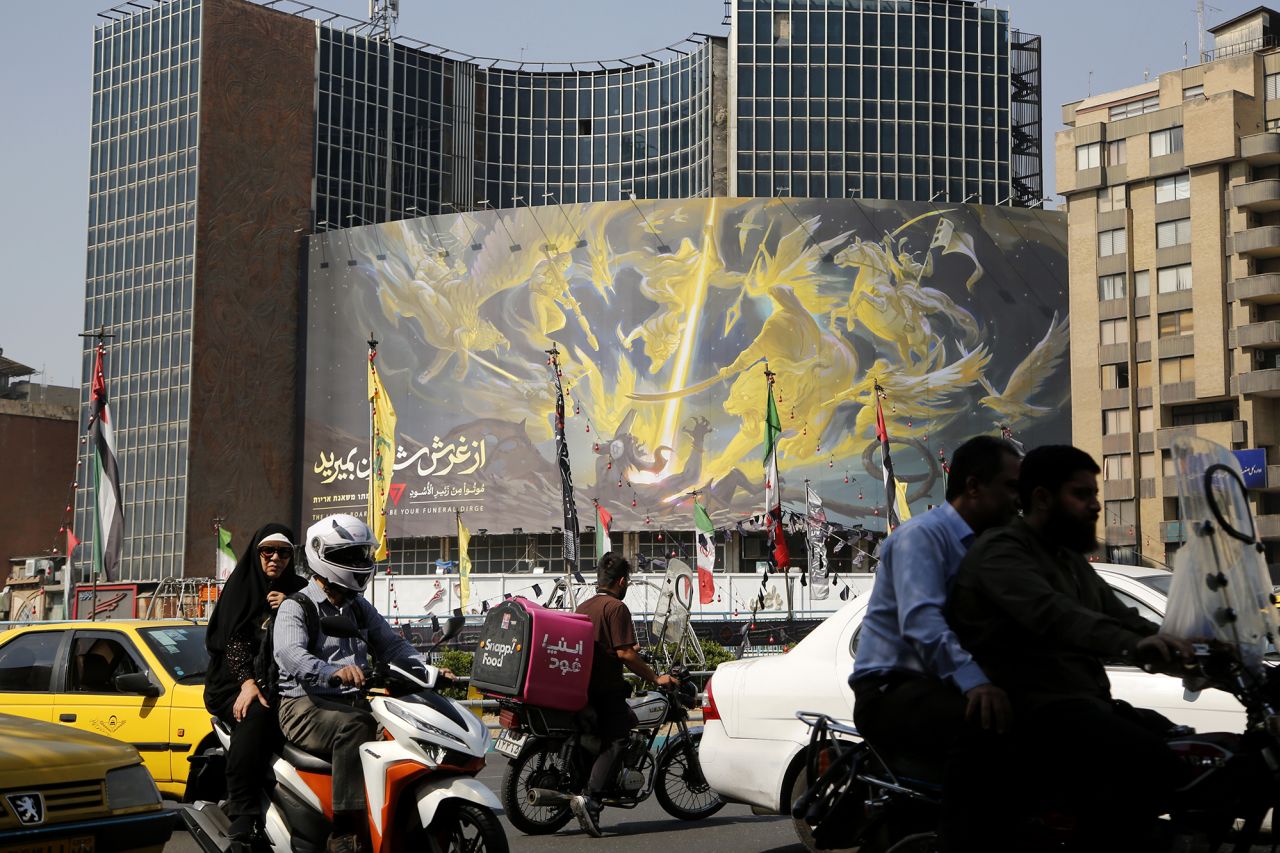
[419, 776]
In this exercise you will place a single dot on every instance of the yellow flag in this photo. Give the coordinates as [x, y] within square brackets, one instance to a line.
[904, 509]
[464, 563]
[383, 417]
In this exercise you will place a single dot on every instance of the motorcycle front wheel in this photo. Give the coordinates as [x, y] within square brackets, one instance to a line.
[681, 789]
[461, 827]
[538, 766]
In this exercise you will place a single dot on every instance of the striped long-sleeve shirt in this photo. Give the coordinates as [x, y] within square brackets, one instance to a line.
[306, 669]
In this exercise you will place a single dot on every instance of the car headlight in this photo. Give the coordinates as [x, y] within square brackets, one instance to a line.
[131, 787]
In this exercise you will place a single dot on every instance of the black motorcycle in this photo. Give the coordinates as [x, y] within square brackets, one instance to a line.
[551, 753]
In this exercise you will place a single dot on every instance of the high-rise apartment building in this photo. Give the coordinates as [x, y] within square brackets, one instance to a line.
[1173, 200]
[224, 131]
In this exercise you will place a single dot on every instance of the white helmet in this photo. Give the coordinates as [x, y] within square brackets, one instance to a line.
[340, 549]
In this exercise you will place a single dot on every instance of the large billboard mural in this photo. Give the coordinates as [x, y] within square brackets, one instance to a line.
[664, 314]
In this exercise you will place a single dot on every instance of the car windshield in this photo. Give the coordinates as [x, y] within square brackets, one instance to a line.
[1160, 583]
[181, 651]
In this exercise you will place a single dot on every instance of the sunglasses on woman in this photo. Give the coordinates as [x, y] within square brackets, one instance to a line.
[277, 552]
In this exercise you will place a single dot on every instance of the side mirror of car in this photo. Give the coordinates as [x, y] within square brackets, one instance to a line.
[137, 682]
[339, 626]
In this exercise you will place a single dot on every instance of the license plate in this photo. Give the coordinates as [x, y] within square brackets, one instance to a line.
[81, 844]
[508, 744]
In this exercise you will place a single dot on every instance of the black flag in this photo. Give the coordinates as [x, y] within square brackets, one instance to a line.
[566, 475]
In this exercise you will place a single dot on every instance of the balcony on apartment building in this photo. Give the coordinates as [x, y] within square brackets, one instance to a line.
[1262, 196]
[1262, 241]
[1260, 289]
[1258, 383]
[1226, 433]
[1268, 526]
[1261, 149]
[1263, 335]
[1171, 531]
[1121, 534]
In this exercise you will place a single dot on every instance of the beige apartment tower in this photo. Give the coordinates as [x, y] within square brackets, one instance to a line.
[1173, 216]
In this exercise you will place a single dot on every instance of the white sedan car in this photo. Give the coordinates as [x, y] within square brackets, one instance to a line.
[753, 746]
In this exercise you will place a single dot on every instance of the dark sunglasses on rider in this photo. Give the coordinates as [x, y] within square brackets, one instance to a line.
[281, 552]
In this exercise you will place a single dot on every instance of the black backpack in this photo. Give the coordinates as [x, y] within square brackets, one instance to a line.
[266, 670]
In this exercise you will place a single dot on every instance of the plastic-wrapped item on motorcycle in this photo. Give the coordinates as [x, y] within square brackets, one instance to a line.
[540, 657]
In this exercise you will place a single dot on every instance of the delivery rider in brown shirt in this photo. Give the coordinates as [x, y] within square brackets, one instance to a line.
[615, 647]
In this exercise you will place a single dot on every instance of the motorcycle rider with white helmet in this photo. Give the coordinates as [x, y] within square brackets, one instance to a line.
[332, 722]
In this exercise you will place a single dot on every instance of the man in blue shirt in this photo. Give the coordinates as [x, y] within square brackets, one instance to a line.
[916, 690]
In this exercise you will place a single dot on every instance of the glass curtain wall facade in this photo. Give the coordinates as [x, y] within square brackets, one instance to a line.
[140, 272]
[892, 99]
[595, 136]
[402, 131]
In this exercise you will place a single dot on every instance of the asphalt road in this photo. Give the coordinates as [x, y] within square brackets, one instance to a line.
[646, 828]
[641, 830]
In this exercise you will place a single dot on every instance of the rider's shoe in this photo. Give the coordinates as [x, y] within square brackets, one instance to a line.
[242, 828]
[587, 810]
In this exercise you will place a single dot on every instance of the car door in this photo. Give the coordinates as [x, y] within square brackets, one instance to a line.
[89, 699]
[28, 665]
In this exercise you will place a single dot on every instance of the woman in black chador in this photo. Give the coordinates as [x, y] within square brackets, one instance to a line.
[262, 579]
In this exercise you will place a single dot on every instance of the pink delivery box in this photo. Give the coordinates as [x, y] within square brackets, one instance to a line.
[534, 655]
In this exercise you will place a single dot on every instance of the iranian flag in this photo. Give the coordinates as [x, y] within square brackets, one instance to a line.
[772, 488]
[108, 519]
[706, 554]
[603, 520]
[226, 557]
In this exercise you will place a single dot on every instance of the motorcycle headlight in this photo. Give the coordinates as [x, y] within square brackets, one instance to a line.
[131, 787]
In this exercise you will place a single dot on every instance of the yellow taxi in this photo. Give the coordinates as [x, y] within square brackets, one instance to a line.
[138, 681]
[65, 791]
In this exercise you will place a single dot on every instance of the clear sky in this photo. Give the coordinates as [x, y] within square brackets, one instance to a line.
[46, 74]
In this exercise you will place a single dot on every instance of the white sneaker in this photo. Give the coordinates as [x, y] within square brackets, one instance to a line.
[587, 811]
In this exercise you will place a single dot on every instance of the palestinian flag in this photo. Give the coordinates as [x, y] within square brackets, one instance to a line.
[226, 557]
[108, 519]
[886, 463]
[603, 520]
[706, 554]
[772, 490]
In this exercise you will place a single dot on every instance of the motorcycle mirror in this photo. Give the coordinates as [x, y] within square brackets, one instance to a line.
[453, 627]
[339, 626]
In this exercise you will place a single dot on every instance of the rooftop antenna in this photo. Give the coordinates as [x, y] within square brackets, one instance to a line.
[383, 15]
[1200, 27]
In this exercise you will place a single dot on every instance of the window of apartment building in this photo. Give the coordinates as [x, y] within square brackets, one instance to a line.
[1089, 156]
[1146, 419]
[1112, 242]
[1182, 369]
[1115, 152]
[1115, 376]
[1142, 283]
[1272, 87]
[1142, 329]
[1112, 198]
[1176, 232]
[1111, 286]
[1196, 91]
[1173, 279]
[1119, 513]
[1115, 421]
[1149, 104]
[1176, 323]
[1118, 467]
[1172, 188]
[1167, 141]
[1202, 413]
[1273, 124]
[1144, 374]
[1114, 332]
[1147, 466]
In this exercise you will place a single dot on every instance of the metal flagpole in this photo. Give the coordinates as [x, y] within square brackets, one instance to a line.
[373, 353]
[98, 337]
